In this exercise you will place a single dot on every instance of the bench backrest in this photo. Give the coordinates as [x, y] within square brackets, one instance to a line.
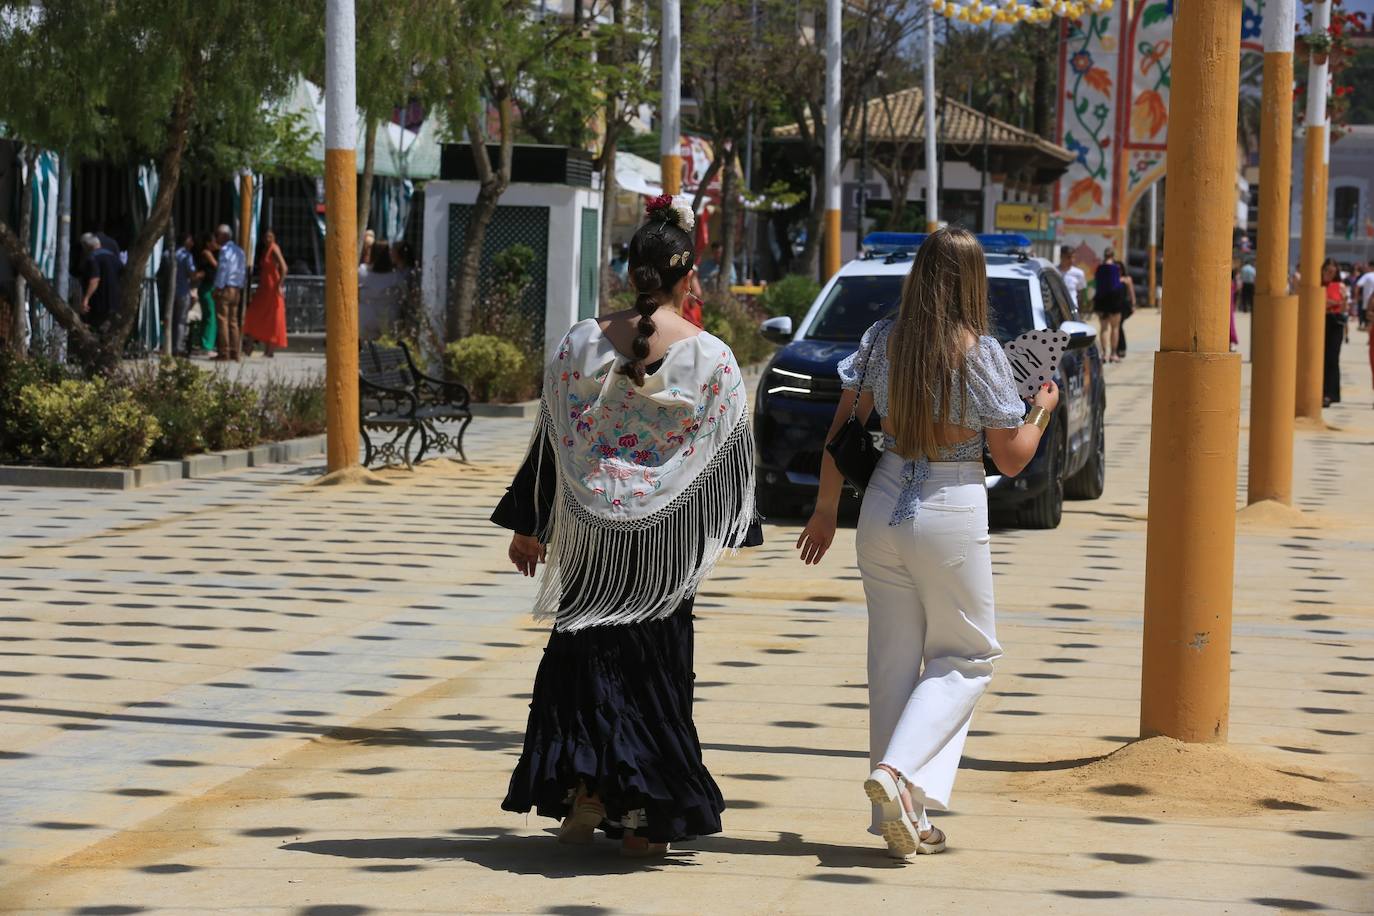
[384, 365]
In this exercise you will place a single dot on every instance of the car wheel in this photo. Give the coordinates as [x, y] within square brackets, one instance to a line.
[1046, 509]
[1091, 479]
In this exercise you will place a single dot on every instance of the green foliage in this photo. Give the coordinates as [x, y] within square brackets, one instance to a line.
[86, 424]
[732, 323]
[499, 312]
[791, 296]
[179, 396]
[492, 368]
[101, 78]
[233, 418]
[290, 409]
[16, 426]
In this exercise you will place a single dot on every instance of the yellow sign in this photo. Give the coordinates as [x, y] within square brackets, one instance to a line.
[1022, 218]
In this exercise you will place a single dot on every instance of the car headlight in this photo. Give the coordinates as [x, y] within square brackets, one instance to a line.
[785, 381]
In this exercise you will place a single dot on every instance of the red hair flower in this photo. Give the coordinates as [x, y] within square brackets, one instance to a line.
[661, 202]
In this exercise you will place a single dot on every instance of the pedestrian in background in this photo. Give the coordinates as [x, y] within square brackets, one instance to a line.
[380, 294]
[229, 280]
[207, 266]
[265, 319]
[1073, 275]
[185, 258]
[365, 257]
[101, 287]
[1364, 292]
[1247, 286]
[1109, 301]
[1337, 301]
[1235, 287]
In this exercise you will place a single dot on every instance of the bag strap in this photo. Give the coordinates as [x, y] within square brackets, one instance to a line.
[863, 374]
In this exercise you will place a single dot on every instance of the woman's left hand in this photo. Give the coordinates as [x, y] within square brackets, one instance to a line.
[526, 553]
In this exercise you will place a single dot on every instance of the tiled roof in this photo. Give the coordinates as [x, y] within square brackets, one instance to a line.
[961, 125]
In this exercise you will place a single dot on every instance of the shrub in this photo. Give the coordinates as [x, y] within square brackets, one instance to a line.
[17, 425]
[791, 296]
[732, 323]
[182, 399]
[233, 418]
[289, 409]
[86, 424]
[492, 368]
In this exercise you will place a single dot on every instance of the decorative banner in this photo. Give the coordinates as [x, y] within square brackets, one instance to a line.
[1115, 68]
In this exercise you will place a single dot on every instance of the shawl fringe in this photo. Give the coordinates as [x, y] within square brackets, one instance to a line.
[602, 572]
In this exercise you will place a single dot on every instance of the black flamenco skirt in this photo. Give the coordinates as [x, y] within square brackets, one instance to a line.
[612, 710]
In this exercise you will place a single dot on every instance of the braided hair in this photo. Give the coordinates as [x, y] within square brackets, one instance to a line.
[661, 254]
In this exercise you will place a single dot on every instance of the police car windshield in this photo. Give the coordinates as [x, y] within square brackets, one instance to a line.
[856, 302]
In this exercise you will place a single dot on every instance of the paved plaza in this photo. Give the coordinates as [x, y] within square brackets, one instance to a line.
[247, 694]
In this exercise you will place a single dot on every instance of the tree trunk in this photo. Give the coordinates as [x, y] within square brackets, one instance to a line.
[728, 210]
[19, 320]
[706, 179]
[608, 192]
[83, 341]
[369, 167]
[1043, 92]
[492, 185]
[810, 256]
[169, 176]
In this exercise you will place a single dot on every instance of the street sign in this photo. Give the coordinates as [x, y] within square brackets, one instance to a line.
[1022, 217]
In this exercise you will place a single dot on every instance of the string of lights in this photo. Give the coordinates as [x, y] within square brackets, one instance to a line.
[1012, 11]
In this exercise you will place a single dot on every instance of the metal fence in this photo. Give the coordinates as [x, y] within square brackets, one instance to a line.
[304, 304]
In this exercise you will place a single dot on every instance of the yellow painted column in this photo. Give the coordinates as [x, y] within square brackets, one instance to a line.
[1275, 328]
[246, 216]
[1311, 297]
[1190, 541]
[341, 238]
[671, 174]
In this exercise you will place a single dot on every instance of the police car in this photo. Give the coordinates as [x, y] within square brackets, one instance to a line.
[800, 388]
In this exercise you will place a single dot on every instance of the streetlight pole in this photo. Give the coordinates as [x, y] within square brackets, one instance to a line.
[1275, 322]
[863, 172]
[341, 236]
[1311, 296]
[928, 91]
[1190, 539]
[670, 105]
[832, 139]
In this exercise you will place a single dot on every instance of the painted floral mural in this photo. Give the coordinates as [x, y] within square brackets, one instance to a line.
[1089, 115]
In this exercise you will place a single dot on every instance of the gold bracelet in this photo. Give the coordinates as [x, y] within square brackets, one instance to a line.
[1040, 417]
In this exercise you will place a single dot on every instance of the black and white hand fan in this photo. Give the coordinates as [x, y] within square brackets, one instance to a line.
[1034, 358]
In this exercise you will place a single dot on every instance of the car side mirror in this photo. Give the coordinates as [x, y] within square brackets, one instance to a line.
[778, 330]
[1081, 334]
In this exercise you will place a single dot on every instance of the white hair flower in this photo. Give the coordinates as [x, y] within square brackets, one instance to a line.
[684, 217]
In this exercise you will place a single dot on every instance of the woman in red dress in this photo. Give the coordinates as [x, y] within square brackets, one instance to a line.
[266, 317]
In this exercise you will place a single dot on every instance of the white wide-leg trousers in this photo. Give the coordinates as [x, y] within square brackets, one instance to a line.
[931, 629]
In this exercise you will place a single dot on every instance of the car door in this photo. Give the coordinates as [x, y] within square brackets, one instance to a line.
[1073, 369]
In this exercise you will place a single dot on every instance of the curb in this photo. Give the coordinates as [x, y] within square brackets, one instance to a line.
[193, 467]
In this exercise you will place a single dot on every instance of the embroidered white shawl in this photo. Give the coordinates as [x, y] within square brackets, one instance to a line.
[654, 483]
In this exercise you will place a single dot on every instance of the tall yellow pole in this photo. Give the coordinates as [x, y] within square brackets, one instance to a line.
[341, 237]
[246, 215]
[1311, 297]
[670, 99]
[831, 178]
[1275, 329]
[1190, 541]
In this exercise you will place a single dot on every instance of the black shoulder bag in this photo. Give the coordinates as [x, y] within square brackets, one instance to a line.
[852, 448]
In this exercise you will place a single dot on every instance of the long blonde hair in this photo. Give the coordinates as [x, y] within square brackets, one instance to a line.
[944, 297]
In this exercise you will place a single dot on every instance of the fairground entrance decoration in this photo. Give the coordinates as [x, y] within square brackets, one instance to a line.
[1114, 71]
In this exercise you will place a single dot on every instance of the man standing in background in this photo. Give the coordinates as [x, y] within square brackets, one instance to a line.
[1247, 286]
[1364, 293]
[101, 291]
[186, 271]
[1074, 278]
[229, 281]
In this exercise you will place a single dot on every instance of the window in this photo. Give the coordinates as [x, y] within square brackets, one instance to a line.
[1054, 304]
[1345, 211]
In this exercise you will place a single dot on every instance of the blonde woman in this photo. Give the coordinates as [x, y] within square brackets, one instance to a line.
[943, 388]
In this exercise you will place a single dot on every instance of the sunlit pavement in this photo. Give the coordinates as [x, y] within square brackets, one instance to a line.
[248, 695]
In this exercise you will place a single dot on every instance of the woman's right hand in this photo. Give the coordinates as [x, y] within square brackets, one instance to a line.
[817, 536]
[1047, 396]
